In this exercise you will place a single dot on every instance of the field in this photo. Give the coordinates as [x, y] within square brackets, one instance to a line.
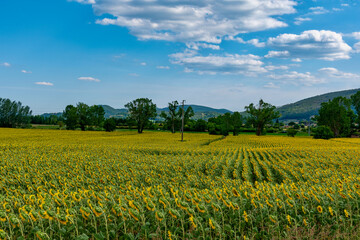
[97, 185]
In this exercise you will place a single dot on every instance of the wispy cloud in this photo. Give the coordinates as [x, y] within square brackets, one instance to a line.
[335, 73]
[249, 65]
[318, 10]
[300, 20]
[143, 64]
[90, 79]
[162, 67]
[26, 72]
[134, 75]
[45, 83]
[5, 64]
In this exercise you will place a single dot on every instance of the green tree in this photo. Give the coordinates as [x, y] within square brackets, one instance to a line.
[110, 125]
[13, 114]
[83, 114]
[261, 115]
[71, 117]
[141, 110]
[337, 115]
[355, 100]
[97, 115]
[323, 132]
[172, 119]
[236, 122]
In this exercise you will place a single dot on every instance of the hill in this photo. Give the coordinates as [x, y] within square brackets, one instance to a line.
[201, 112]
[308, 107]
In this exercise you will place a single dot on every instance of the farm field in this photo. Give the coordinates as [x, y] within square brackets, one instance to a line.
[123, 185]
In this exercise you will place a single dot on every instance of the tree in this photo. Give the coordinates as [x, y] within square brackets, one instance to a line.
[71, 117]
[337, 115]
[173, 118]
[13, 114]
[83, 114]
[236, 122]
[141, 110]
[261, 115]
[96, 115]
[110, 125]
[355, 100]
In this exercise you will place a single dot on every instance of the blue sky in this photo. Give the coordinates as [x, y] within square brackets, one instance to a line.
[223, 54]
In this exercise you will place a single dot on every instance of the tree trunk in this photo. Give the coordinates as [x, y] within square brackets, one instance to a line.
[258, 131]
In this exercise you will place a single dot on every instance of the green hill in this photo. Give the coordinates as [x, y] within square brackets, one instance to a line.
[308, 107]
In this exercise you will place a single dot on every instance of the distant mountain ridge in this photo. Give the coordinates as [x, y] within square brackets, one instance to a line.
[200, 112]
[300, 110]
[308, 107]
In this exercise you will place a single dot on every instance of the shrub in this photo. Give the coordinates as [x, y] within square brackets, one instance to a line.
[291, 132]
[323, 132]
[110, 125]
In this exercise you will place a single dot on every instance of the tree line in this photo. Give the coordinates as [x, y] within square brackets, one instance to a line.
[336, 118]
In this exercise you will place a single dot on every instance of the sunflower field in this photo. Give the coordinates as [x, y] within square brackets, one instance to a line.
[123, 185]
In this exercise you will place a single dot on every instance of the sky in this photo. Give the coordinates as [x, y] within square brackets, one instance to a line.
[221, 54]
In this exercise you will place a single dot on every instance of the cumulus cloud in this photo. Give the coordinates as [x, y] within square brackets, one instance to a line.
[249, 65]
[45, 83]
[193, 21]
[90, 79]
[5, 64]
[297, 78]
[254, 41]
[26, 72]
[335, 73]
[163, 67]
[326, 45]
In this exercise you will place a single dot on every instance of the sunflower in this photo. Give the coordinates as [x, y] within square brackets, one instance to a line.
[319, 208]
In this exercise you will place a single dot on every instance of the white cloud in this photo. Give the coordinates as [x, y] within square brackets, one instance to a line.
[318, 10]
[84, 1]
[26, 72]
[254, 41]
[162, 67]
[193, 21]
[271, 85]
[297, 78]
[277, 54]
[272, 67]
[355, 35]
[300, 20]
[357, 47]
[326, 45]
[249, 65]
[134, 75]
[197, 46]
[90, 79]
[5, 64]
[344, 5]
[335, 73]
[45, 83]
[296, 60]
[143, 64]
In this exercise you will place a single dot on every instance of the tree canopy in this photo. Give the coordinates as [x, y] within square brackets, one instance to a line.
[82, 116]
[260, 115]
[337, 115]
[13, 114]
[141, 110]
